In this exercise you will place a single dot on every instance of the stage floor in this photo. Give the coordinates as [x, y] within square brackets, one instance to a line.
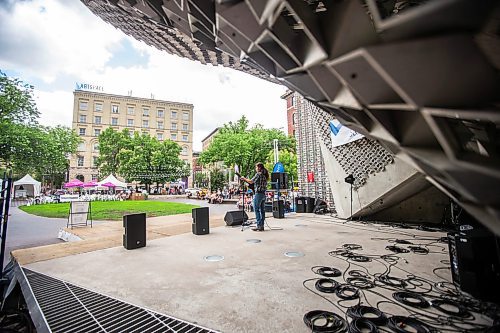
[255, 288]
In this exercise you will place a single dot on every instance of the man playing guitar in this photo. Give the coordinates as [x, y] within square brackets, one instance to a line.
[259, 182]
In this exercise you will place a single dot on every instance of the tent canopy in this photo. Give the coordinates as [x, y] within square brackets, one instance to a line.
[27, 183]
[112, 179]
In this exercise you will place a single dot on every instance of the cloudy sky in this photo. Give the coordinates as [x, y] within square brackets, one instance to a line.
[52, 44]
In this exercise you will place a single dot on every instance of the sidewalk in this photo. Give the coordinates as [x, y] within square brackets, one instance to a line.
[109, 234]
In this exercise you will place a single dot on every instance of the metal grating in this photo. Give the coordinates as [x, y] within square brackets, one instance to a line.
[68, 308]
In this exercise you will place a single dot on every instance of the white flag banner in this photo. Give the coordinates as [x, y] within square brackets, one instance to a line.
[236, 170]
[340, 135]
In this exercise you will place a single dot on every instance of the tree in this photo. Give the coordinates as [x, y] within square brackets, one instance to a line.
[237, 144]
[18, 119]
[111, 142]
[148, 160]
[216, 179]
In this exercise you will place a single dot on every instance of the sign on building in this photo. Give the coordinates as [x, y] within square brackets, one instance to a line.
[340, 135]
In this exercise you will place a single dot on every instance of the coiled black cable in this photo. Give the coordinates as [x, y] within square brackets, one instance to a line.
[411, 299]
[375, 316]
[460, 311]
[360, 282]
[391, 281]
[399, 323]
[359, 258]
[352, 246]
[347, 292]
[325, 321]
[418, 249]
[326, 285]
[402, 241]
[361, 325]
[396, 249]
[358, 273]
[328, 271]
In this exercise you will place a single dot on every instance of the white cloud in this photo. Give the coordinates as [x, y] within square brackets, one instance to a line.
[75, 43]
[47, 38]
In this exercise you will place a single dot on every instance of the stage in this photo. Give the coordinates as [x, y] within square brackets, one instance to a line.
[255, 288]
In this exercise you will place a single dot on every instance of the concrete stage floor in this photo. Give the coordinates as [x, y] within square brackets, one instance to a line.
[256, 288]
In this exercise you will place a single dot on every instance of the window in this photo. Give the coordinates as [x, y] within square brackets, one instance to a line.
[294, 118]
[173, 136]
[94, 160]
[185, 127]
[185, 116]
[145, 123]
[184, 150]
[174, 126]
[97, 120]
[95, 147]
[83, 118]
[130, 122]
[184, 138]
[84, 105]
[95, 178]
[98, 107]
[161, 113]
[130, 110]
[81, 146]
[159, 136]
[80, 161]
[114, 109]
[145, 112]
[114, 121]
[82, 131]
[160, 125]
[97, 131]
[174, 115]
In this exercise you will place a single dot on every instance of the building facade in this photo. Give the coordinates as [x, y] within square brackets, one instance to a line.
[313, 180]
[93, 112]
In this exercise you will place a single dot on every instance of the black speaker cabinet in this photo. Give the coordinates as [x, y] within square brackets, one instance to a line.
[475, 262]
[135, 231]
[200, 221]
[235, 217]
[278, 209]
[300, 205]
[281, 177]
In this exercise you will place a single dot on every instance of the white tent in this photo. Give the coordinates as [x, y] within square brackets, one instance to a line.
[27, 186]
[112, 179]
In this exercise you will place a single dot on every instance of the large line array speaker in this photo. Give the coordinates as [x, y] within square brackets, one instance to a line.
[135, 231]
[278, 209]
[200, 224]
[235, 217]
[475, 261]
[282, 178]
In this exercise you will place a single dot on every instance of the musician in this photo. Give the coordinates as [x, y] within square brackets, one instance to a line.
[260, 183]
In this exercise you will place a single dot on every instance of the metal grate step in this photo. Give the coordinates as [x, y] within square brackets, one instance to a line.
[68, 308]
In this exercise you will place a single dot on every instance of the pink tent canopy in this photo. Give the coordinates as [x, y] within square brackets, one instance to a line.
[108, 184]
[73, 183]
[90, 184]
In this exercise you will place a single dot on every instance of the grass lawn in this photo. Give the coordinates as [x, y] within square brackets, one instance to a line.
[113, 210]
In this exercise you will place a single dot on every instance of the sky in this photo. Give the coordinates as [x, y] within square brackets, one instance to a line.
[53, 44]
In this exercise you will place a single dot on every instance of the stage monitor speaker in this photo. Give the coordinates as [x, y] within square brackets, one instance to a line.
[475, 262]
[278, 209]
[310, 203]
[200, 221]
[135, 231]
[282, 178]
[235, 217]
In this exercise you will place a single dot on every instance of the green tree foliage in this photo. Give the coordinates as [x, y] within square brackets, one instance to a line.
[18, 115]
[200, 179]
[289, 160]
[111, 142]
[25, 146]
[216, 179]
[140, 158]
[236, 143]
